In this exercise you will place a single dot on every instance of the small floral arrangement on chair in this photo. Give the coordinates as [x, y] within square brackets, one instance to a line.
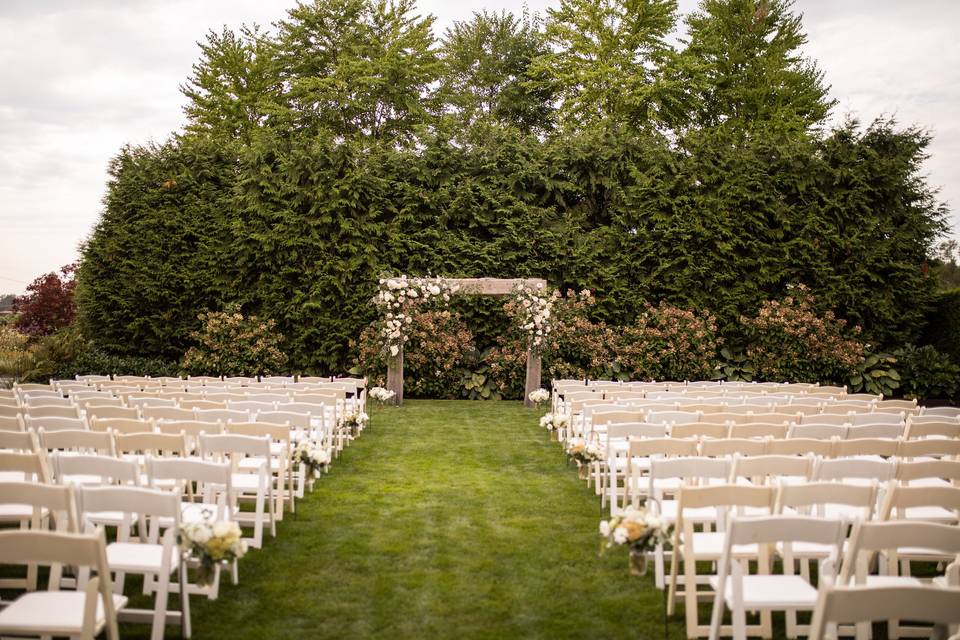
[382, 395]
[539, 396]
[312, 456]
[211, 543]
[638, 529]
[353, 421]
[585, 453]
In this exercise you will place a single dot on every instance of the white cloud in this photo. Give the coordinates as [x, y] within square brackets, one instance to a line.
[79, 80]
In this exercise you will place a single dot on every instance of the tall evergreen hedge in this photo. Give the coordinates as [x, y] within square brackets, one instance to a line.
[350, 142]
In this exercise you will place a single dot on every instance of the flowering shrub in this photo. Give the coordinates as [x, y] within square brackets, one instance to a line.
[232, 344]
[13, 353]
[668, 343]
[440, 348]
[790, 341]
[396, 300]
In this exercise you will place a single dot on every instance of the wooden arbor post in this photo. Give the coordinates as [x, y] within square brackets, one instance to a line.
[480, 287]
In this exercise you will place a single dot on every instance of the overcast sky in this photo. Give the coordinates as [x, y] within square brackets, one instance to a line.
[81, 78]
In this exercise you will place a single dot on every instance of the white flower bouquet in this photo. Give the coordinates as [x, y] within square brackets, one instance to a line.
[309, 454]
[539, 396]
[637, 529]
[381, 395]
[584, 452]
[212, 543]
[353, 421]
[554, 421]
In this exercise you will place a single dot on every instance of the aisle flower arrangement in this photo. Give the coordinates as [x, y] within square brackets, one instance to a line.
[381, 394]
[353, 421]
[637, 529]
[553, 422]
[312, 456]
[539, 396]
[585, 454]
[212, 543]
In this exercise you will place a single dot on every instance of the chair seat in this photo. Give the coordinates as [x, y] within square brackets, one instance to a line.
[772, 592]
[51, 613]
[18, 512]
[931, 514]
[709, 545]
[138, 558]
[846, 512]
[246, 481]
[893, 581]
[12, 476]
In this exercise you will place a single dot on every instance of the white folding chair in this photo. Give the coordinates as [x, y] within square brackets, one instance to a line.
[737, 590]
[81, 614]
[868, 604]
[155, 555]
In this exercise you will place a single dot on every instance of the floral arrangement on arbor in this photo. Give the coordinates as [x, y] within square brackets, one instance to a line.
[637, 529]
[312, 456]
[531, 309]
[396, 298]
[212, 543]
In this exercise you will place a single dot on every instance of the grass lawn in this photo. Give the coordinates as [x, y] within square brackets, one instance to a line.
[445, 519]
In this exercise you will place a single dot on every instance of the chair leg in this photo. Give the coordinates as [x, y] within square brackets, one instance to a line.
[690, 596]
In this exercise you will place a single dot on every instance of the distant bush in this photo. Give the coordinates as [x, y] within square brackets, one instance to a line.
[669, 343]
[927, 373]
[48, 304]
[943, 324]
[232, 344]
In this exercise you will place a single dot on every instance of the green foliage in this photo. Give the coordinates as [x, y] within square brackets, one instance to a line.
[349, 143]
[14, 356]
[231, 344]
[734, 367]
[926, 373]
[943, 324]
[876, 374]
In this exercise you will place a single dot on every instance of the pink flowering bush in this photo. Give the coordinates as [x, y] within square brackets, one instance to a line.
[791, 341]
[668, 343]
[232, 344]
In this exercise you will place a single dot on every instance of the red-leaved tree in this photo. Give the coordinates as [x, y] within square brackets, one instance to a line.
[48, 304]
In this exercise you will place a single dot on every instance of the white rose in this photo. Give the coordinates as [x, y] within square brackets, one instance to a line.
[620, 535]
[394, 350]
[200, 534]
[222, 529]
[604, 528]
[434, 289]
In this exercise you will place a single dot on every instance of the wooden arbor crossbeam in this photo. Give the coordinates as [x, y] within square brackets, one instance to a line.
[481, 287]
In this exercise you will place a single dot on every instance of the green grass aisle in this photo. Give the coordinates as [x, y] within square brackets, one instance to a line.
[445, 519]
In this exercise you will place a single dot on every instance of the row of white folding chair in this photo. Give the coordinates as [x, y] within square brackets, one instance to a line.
[739, 591]
[749, 500]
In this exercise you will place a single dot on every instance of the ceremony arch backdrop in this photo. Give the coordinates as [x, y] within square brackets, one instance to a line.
[482, 287]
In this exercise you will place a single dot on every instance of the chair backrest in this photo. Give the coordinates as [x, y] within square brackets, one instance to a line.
[23, 441]
[121, 425]
[188, 470]
[825, 417]
[50, 411]
[712, 448]
[57, 499]
[760, 469]
[220, 415]
[638, 430]
[855, 432]
[31, 465]
[877, 418]
[227, 444]
[932, 427]
[268, 397]
[924, 469]
[12, 423]
[866, 447]
[930, 447]
[55, 424]
[189, 427]
[759, 430]
[698, 430]
[688, 468]
[813, 497]
[251, 406]
[84, 469]
[770, 529]
[199, 403]
[775, 417]
[92, 378]
[317, 410]
[33, 401]
[79, 441]
[70, 549]
[134, 501]
[276, 432]
[296, 420]
[800, 447]
[616, 415]
[817, 431]
[10, 411]
[105, 411]
[89, 394]
[156, 444]
[675, 417]
[166, 413]
[840, 469]
[723, 496]
[867, 604]
[948, 412]
[648, 447]
[151, 401]
[899, 498]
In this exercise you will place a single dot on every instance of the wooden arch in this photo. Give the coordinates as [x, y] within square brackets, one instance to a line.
[480, 287]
